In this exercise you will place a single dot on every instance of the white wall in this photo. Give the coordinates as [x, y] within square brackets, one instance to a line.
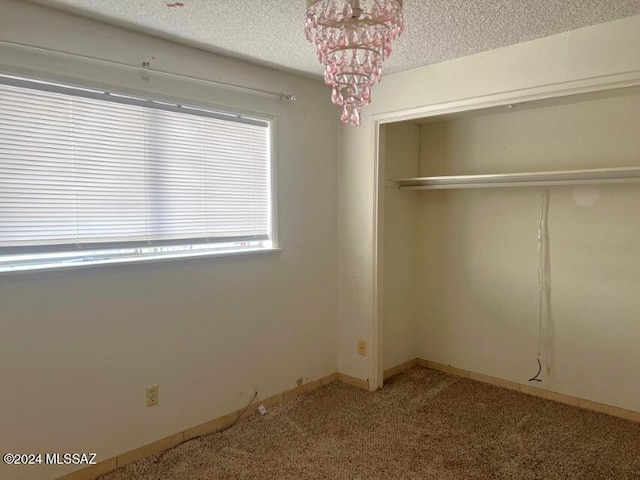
[602, 53]
[78, 347]
[401, 245]
[478, 257]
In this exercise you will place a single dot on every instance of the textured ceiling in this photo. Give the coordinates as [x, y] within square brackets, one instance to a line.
[271, 31]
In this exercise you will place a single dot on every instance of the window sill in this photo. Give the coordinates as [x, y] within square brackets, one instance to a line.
[149, 258]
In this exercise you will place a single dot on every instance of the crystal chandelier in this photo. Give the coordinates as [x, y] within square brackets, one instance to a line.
[353, 39]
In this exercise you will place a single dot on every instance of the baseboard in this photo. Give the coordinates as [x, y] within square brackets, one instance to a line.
[111, 464]
[353, 381]
[529, 390]
[399, 368]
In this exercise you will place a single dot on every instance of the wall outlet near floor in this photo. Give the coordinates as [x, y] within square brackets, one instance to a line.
[153, 395]
[362, 347]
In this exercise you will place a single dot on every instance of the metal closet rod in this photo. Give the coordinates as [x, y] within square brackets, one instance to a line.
[528, 179]
[145, 67]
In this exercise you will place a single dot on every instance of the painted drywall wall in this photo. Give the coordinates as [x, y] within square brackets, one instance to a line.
[478, 249]
[602, 53]
[78, 348]
[401, 245]
[595, 130]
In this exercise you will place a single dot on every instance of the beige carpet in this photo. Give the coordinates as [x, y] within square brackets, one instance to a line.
[423, 425]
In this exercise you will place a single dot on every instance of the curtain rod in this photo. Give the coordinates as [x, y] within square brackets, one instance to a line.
[145, 67]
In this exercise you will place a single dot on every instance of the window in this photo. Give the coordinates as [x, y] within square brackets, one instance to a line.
[93, 177]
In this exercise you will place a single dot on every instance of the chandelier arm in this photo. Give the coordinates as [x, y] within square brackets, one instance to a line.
[311, 3]
[345, 48]
[351, 21]
[346, 84]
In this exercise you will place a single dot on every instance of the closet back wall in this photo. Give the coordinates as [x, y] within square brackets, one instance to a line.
[476, 287]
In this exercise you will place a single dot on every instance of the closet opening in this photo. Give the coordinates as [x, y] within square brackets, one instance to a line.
[510, 235]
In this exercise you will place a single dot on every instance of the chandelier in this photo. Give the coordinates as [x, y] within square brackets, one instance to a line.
[353, 39]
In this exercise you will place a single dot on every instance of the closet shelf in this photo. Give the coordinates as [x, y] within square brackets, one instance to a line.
[529, 179]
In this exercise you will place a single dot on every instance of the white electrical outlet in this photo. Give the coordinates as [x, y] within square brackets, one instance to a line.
[153, 395]
[262, 410]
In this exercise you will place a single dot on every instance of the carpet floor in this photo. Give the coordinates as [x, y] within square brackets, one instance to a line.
[424, 424]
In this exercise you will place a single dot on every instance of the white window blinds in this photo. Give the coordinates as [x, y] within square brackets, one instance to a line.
[81, 170]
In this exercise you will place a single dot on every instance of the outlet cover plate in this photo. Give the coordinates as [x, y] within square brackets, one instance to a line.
[153, 395]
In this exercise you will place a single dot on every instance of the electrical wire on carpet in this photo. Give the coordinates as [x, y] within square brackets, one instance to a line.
[220, 430]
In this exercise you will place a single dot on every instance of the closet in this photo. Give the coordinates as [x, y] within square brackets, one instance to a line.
[512, 234]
